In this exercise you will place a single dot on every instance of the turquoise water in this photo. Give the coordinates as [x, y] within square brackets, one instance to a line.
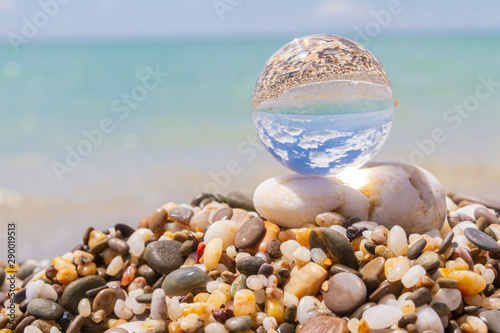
[66, 102]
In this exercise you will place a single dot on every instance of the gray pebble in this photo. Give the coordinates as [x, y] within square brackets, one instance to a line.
[266, 269]
[416, 249]
[186, 248]
[164, 256]
[492, 320]
[490, 203]
[447, 283]
[26, 321]
[44, 309]
[445, 244]
[410, 318]
[76, 290]
[481, 240]
[241, 200]
[24, 271]
[381, 291]
[420, 296]
[345, 293]
[119, 246]
[144, 298]
[238, 324]
[181, 214]
[428, 260]
[239, 283]
[183, 280]
[273, 248]
[488, 216]
[250, 233]
[286, 328]
[249, 265]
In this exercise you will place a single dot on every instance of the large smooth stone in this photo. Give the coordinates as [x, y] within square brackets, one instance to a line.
[76, 290]
[405, 195]
[164, 256]
[294, 200]
[183, 280]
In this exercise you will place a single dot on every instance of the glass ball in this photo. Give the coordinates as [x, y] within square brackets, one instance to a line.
[321, 104]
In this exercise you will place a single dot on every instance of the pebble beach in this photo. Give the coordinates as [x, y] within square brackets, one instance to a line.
[215, 265]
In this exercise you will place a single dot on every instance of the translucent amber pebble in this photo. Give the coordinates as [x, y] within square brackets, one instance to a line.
[116, 322]
[95, 237]
[302, 236]
[217, 298]
[66, 275]
[458, 265]
[201, 297]
[274, 308]
[469, 283]
[212, 254]
[203, 310]
[395, 268]
[87, 269]
[225, 289]
[174, 327]
[244, 303]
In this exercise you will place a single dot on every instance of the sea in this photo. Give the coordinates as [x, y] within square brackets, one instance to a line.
[94, 133]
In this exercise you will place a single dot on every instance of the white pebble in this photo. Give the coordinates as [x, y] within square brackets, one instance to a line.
[428, 319]
[290, 299]
[54, 329]
[256, 282]
[307, 309]
[318, 255]
[272, 281]
[382, 316]
[462, 241]
[84, 307]
[270, 323]
[68, 256]
[122, 311]
[469, 210]
[137, 247]
[340, 229]
[396, 241]
[302, 253]
[115, 266]
[31, 329]
[212, 285]
[288, 248]
[143, 234]
[412, 276]
[190, 322]
[174, 309]
[459, 228]
[488, 276]
[225, 230]
[40, 289]
[215, 328]
[448, 296]
[388, 299]
[158, 305]
[231, 252]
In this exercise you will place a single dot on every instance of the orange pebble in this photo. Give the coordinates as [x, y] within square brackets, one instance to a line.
[302, 236]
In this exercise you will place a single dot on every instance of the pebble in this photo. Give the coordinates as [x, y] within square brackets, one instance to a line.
[345, 293]
[428, 260]
[249, 265]
[76, 324]
[492, 320]
[487, 215]
[105, 300]
[212, 253]
[373, 268]
[338, 268]
[2, 277]
[238, 324]
[290, 313]
[413, 275]
[382, 316]
[490, 203]
[24, 325]
[225, 230]
[481, 240]
[420, 296]
[250, 233]
[428, 320]
[447, 240]
[164, 256]
[241, 200]
[325, 324]
[76, 290]
[335, 245]
[328, 219]
[223, 214]
[448, 296]
[183, 280]
[181, 214]
[306, 280]
[416, 249]
[25, 270]
[447, 283]
[157, 220]
[469, 283]
[286, 328]
[396, 241]
[395, 268]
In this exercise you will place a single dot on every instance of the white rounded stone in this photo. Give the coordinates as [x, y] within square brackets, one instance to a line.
[382, 316]
[428, 320]
[448, 296]
[396, 241]
[294, 200]
[225, 230]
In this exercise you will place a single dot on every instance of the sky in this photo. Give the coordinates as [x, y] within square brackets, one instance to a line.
[131, 19]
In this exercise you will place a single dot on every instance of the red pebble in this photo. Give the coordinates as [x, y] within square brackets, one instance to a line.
[129, 275]
[199, 251]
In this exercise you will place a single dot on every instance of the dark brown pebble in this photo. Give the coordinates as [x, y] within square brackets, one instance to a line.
[228, 262]
[481, 240]
[489, 290]
[125, 229]
[51, 273]
[23, 306]
[76, 324]
[370, 247]
[250, 233]
[20, 295]
[189, 298]
[86, 235]
[381, 291]
[471, 310]
[144, 223]
[180, 236]
[99, 247]
[222, 315]
[284, 273]
[266, 269]
[93, 292]
[199, 197]
[416, 249]
[105, 300]
[335, 245]
[450, 251]
[373, 268]
[338, 268]
[441, 309]
[181, 214]
[24, 323]
[214, 274]
[447, 283]
[228, 277]
[157, 220]
[325, 324]
[487, 215]
[119, 246]
[409, 318]
[57, 288]
[223, 214]
[286, 328]
[371, 283]
[164, 256]
[273, 248]
[205, 202]
[354, 232]
[490, 203]
[466, 256]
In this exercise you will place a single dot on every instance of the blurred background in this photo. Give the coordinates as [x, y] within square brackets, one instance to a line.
[108, 109]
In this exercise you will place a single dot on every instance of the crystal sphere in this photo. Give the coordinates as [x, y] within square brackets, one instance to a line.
[321, 104]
